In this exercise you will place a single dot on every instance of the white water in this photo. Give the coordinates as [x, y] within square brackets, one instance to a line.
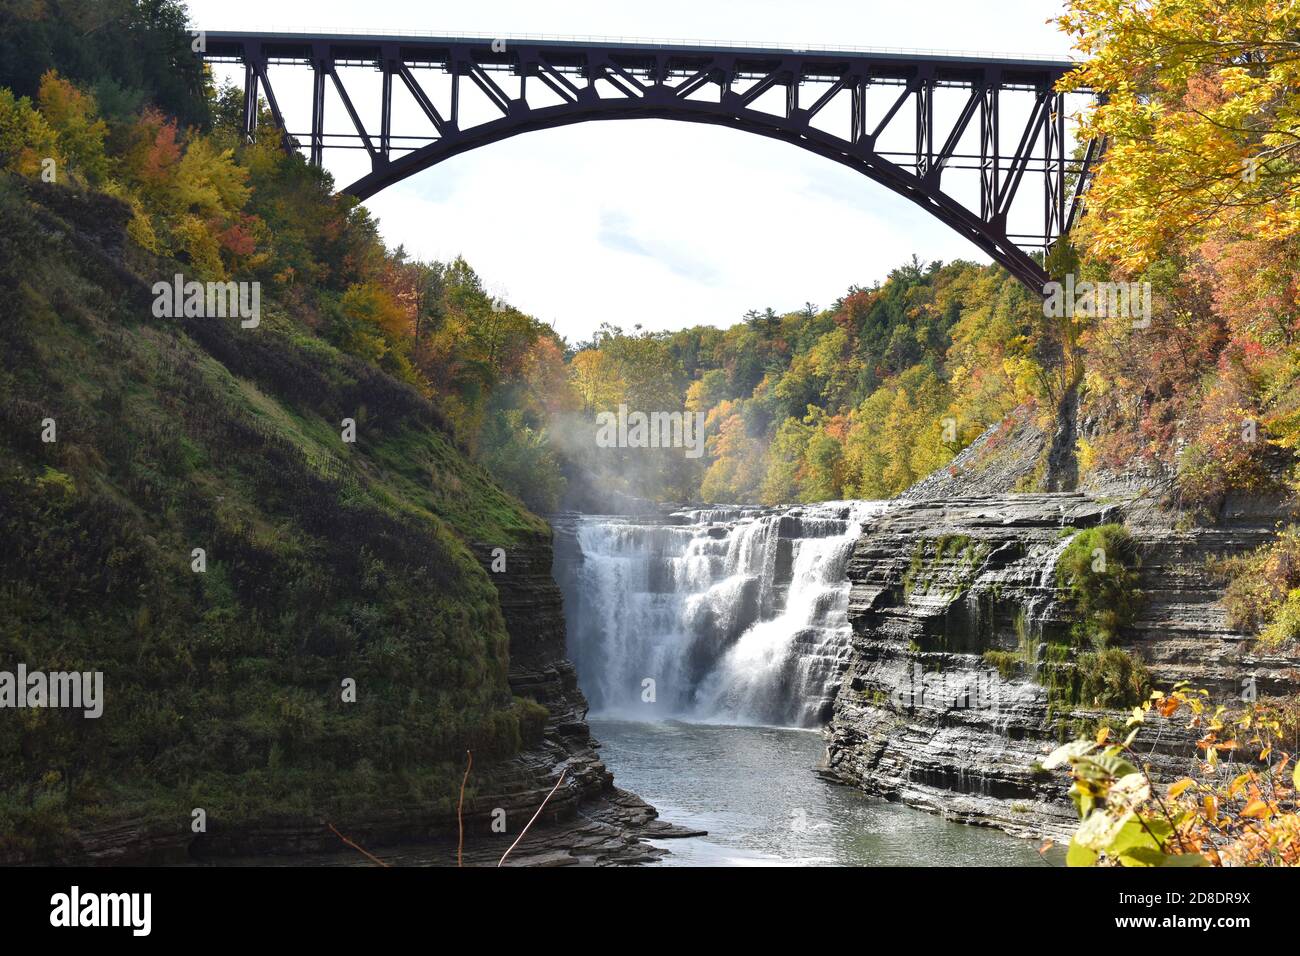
[737, 615]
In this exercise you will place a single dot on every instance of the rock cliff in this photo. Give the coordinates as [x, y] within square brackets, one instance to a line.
[922, 716]
[588, 820]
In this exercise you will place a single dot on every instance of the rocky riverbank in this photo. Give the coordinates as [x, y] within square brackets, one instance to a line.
[939, 580]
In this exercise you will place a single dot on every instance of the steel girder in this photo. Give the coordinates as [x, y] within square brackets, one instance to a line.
[607, 80]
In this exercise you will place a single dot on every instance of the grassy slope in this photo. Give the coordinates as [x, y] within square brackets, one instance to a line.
[325, 560]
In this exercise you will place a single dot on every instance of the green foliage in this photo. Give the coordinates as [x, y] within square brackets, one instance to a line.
[532, 718]
[1110, 678]
[1009, 663]
[324, 561]
[1106, 678]
[1098, 572]
[1006, 663]
[520, 457]
[951, 560]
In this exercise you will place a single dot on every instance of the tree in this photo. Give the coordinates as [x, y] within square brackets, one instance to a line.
[1199, 121]
[140, 50]
[73, 115]
[26, 139]
[738, 460]
[596, 379]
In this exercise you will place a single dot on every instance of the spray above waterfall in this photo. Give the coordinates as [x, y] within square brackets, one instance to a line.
[736, 615]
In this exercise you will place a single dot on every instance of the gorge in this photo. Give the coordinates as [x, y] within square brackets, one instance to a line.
[709, 643]
[806, 616]
[371, 557]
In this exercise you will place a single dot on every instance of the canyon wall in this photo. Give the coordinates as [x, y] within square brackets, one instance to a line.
[942, 578]
[323, 562]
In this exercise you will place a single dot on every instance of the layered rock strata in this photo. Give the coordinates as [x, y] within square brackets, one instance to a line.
[922, 716]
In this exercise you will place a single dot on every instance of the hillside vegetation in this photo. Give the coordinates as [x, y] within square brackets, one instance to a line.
[179, 509]
[324, 560]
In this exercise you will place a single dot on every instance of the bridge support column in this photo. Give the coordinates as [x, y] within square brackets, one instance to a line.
[319, 65]
[249, 121]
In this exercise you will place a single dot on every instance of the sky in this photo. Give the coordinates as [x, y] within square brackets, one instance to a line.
[652, 222]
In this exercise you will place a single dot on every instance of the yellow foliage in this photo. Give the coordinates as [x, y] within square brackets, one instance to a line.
[140, 228]
[194, 240]
[1085, 455]
[26, 139]
[1202, 103]
[372, 304]
[73, 115]
[596, 379]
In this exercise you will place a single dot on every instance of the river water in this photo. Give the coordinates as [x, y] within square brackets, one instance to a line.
[754, 790]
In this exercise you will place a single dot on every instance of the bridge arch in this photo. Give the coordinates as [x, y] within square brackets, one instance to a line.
[660, 81]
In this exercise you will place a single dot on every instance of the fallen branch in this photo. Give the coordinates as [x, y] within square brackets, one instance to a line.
[460, 818]
[360, 849]
[535, 816]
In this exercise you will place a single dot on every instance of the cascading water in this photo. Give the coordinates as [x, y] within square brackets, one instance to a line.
[737, 615]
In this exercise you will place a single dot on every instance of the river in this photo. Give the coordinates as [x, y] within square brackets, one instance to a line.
[753, 789]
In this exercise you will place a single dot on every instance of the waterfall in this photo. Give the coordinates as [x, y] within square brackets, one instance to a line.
[736, 615]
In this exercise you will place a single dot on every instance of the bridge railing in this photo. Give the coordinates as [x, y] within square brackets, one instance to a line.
[699, 43]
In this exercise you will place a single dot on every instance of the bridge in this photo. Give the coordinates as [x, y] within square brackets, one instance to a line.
[913, 122]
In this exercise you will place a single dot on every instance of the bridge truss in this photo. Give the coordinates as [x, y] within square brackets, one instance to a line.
[1002, 123]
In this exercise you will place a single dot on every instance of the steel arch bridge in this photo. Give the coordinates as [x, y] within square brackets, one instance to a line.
[533, 84]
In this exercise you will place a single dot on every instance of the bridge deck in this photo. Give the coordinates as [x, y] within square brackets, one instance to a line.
[957, 67]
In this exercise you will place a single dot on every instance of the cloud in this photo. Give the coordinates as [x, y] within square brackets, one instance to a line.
[616, 233]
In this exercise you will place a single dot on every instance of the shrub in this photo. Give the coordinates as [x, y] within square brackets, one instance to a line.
[1111, 678]
[1006, 663]
[1246, 816]
[1098, 571]
[25, 136]
[532, 720]
[1263, 593]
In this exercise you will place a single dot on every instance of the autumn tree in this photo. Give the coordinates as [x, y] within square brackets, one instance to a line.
[26, 139]
[1199, 120]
